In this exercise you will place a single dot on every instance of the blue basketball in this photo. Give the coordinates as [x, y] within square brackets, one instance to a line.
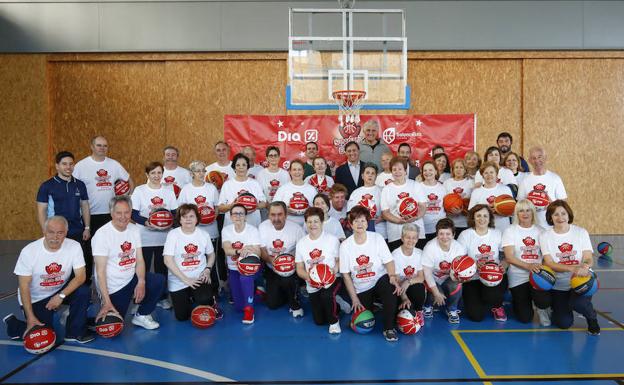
[604, 248]
[363, 322]
[544, 280]
[585, 286]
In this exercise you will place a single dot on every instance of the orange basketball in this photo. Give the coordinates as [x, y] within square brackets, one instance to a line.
[453, 201]
[504, 205]
[216, 178]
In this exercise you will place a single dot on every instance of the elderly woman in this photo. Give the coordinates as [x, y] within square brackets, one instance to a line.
[504, 175]
[568, 251]
[408, 264]
[297, 194]
[489, 191]
[273, 176]
[459, 183]
[320, 180]
[369, 196]
[434, 193]
[385, 176]
[473, 163]
[330, 224]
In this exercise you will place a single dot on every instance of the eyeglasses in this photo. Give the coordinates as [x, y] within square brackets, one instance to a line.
[237, 214]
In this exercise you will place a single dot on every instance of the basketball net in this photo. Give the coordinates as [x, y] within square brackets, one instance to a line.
[349, 103]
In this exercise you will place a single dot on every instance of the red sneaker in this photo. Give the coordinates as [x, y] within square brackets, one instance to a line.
[499, 314]
[248, 316]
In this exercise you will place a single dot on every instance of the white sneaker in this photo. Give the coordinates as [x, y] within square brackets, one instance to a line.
[335, 328]
[296, 313]
[165, 304]
[145, 321]
[344, 305]
[544, 316]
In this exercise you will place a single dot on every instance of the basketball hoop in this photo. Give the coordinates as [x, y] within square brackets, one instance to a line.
[349, 103]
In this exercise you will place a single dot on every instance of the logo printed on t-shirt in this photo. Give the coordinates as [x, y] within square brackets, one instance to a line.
[433, 203]
[363, 268]
[126, 257]
[191, 255]
[316, 257]
[444, 267]
[529, 250]
[53, 276]
[102, 179]
[408, 271]
[567, 254]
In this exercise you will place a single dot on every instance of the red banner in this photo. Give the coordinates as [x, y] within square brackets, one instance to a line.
[456, 133]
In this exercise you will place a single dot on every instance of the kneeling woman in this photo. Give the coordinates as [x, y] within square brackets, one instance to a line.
[568, 251]
[407, 259]
[315, 248]
[185, 252]
[368, 271]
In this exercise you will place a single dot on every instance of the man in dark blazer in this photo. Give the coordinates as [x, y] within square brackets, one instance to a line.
[405, 152]
[350, 173]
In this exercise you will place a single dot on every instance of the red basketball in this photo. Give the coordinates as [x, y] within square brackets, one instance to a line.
[407, 322]
[203, 317]
[463, 268]
[321, 276]
[207, 215]
[466, 204]
[109, 326]
[319, 186]
[298, 203]
[216, 178]
[491, 274]
[176, 190]
[370, 205]
[121, 187]
[408, 208]
[39, 339]
[539, 198]
[248, 200]
[453, 201]
[161, 219]
[249, 265]
[504, 205]
[284, 265]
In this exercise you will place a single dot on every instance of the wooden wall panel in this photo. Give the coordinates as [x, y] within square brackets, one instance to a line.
[575, 109]
[24, 155]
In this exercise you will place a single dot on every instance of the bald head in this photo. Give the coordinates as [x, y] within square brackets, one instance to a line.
[537, 159]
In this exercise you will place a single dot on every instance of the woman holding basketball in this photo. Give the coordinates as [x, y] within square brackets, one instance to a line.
[408, 264]
[489, 191]
[434, 193]
[522, 252]
[368, 271]
[319, 247]
[483, 243]
[240, 240]
[190, 257]
[568, 251]
[320, 180]
[273, 176]
[459, 183]
[297, 194]
[369, 196]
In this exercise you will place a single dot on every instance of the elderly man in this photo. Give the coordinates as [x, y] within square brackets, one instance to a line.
[371, 148]
[51, 272]
[254, 169]
[174, 176]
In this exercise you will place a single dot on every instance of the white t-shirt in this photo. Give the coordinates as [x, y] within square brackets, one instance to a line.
[281, 241]
[230, 191]
[202, 196]
[407, 266]
[254, 171]
[189, 254]
[486, 196]
[120, 247]
[505, 176]
[372, 194]
[383, 179]
[566, 249]
[249, 236]
[433, 202]
[439, 260]
[100, 178]
[444, 177]
[365, 262]
[525, 242]
[482, 248]
[292, 193]
[390, 197]
[226, 171]
[178, 176]
[50, 271]
[330, 226]
[520, 177]
[464, 188]
[312, 252]
[271, 181]
[145, 200]
[322, 183]
[541, 190]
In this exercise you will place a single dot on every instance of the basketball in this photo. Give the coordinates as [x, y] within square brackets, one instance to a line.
[604, 249]
[504, 205]
[491, 274]
[284, 265]
[370, 205]
[162, 219]
[249, 265]
[463, 268]
[321, 276]
[363, 321]
[585, 286]
[408, 208]
[203, 317]
[109, 326]
[453, 201]
[39, 339]
[121, 187]
[207, 215]
[298, 203]
[544, 280]
[216, 178]
[407, 322]
[248, 200]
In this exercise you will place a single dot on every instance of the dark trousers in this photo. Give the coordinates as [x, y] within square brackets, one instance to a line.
[154, 286]
[451, 290]
[479, 299]
[564, 302]
[97, 221]
[383, 291]
[281, 290]
[217, 272]
[156, 253]
[416, 293]
[221, 270]
[76, 325]
[323, 303]
[523, 297]
[183, 300]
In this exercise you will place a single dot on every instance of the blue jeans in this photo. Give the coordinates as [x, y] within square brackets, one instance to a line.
[447, 287]
[564, 302]
[154, 286]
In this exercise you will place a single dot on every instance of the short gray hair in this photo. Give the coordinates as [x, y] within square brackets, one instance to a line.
[118, 199]
[55, 218]
[407, 228]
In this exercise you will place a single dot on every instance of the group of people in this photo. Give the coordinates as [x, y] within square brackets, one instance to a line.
[383, 257]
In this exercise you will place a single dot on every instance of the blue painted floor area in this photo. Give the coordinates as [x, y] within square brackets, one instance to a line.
[279, 348]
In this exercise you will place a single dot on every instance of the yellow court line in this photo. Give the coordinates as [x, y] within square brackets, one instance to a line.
[471, 358]
[534, 330]
[562, 376]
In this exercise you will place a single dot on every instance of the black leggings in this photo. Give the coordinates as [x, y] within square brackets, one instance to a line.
[416, 293]
[323, 303]
[479, 299]
[281, 290]
[382, 290]
[184, 299]
[563, 302]
[523, 298]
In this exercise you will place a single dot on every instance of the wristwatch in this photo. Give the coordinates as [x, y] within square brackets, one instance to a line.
[63, 296]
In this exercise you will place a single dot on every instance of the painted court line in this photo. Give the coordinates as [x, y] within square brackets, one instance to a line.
[138, 359]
